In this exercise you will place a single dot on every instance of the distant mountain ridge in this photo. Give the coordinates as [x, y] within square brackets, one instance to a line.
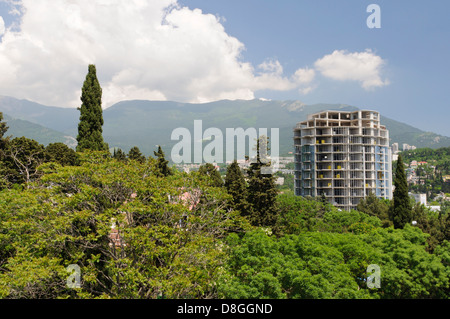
[59, 119]
[149, 123]
[42, 134]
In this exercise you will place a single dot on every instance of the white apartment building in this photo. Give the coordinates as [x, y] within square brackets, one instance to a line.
[344, 156]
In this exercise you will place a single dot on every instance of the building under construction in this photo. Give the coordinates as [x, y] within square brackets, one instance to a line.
[344, 156]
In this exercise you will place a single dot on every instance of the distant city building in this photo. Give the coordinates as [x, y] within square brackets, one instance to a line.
[279, 181]
[420, 198]
[344, 156]
[407, 147]
[285, 160]
[394, 148]
[286, 171]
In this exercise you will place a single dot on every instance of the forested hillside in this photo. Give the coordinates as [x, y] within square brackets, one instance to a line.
[149, 123]
[430, 169]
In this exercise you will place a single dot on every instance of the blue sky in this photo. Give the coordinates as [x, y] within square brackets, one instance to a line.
[312, 51]
[414, 40]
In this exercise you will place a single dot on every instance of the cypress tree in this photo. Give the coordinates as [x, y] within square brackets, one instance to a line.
[400, 210]
[237, 187]
[162, 167]
[262, 191]
[91, 115]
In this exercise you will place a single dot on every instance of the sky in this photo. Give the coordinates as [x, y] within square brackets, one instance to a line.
[206, 50]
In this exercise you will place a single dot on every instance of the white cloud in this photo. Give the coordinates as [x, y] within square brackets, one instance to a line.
[364, 67]
[155, 50]
[304, 79]
[304, 75]
[142, 49]
[2, 26]
[272, 66]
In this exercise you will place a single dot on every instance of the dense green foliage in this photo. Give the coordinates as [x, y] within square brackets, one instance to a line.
[176, 246]
[373, 206]
[429, 170]
[427, 154]
[66, 218]
[91, 120]
[212, 173]
[334, 265]
[317, 251]
[60, 153]
[296, 215]
[21, 157]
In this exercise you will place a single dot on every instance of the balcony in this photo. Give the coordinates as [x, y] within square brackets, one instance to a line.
[324, 184]
[323, 158]
[340, 166]
[323, 149]
[321, 167]
[326, 140]
[324, 175]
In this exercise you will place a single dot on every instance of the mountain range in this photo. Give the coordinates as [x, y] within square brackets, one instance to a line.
[147, 124]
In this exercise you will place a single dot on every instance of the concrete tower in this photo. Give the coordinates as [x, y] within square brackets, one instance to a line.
[343, 155]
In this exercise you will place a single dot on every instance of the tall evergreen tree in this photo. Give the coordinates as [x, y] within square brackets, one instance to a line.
[262, 191]
[162, 167]
[401, 210]
[237, 187]
[91, 115]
